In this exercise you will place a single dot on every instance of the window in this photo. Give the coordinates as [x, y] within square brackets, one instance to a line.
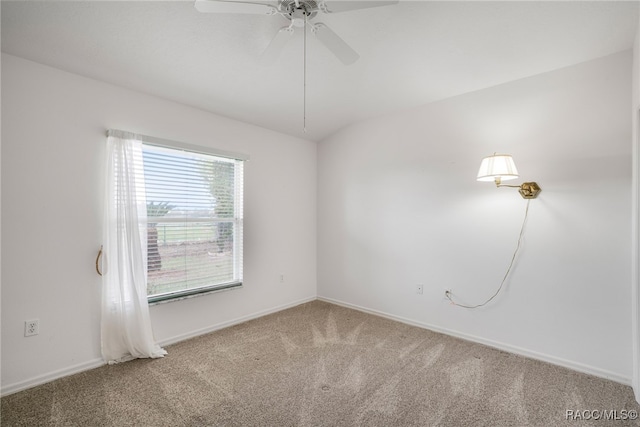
[194, 222]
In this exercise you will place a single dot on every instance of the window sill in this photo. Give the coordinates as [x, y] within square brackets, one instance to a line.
[178, 296]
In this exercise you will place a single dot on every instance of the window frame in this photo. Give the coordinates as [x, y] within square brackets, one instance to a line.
[237, 220]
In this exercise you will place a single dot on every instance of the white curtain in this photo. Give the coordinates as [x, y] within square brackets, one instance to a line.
[126, 325]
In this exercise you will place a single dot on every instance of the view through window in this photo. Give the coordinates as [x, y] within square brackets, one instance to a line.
[194, 222]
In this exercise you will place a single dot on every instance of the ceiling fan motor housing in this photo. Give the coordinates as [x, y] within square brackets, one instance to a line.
[300, 12]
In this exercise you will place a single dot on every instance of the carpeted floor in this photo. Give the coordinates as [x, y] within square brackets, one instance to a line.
[323, 365]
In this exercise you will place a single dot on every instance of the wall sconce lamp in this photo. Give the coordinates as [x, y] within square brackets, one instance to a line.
[497, 168]
[500, 167]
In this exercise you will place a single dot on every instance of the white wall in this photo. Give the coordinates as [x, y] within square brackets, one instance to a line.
[53, 137]
[398, 205]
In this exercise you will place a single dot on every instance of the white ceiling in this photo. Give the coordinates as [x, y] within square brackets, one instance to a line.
[412, 53]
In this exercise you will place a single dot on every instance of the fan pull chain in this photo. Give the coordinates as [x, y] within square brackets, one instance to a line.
[304, 79]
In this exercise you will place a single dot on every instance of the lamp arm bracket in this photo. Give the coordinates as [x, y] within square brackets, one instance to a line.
[528, 190]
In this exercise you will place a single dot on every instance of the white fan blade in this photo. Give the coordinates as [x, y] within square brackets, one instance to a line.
[224, 6]
[337, 6]
[335, 44]
[273, 51]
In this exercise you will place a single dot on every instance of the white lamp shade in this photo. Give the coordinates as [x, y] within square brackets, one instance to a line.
[497, 166]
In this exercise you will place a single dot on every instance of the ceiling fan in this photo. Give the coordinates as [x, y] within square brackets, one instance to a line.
[300, 13]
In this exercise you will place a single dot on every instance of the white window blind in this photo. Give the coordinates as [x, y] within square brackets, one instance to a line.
[194, 222]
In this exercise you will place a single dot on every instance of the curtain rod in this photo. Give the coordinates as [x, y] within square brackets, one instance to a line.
[167, 143]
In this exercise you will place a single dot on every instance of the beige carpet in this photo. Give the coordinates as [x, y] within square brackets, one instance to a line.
[322, 365]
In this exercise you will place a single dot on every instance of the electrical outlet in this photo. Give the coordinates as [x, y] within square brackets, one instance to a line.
[281, 277]
[31, 327]
[419, 289]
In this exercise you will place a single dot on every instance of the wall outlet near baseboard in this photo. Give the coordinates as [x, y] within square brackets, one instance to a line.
[31, 327]
[419, 289]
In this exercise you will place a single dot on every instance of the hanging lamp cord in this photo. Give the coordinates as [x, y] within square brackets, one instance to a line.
[513, 258]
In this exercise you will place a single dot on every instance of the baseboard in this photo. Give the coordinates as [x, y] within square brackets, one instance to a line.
[48, 377]
[580, 367]
[236, 321]
[96, 363]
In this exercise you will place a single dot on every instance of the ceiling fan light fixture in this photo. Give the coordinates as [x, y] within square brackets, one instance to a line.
[299, 13]
[299, 9]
